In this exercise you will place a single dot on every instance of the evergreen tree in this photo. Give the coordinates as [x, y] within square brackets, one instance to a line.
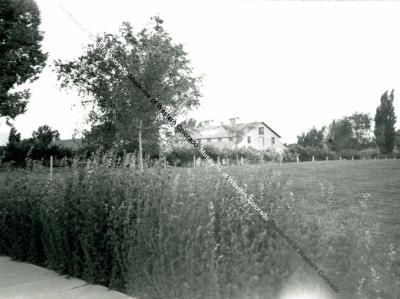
[385, 120]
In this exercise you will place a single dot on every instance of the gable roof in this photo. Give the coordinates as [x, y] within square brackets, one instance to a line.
[226, 130]
[271, 129]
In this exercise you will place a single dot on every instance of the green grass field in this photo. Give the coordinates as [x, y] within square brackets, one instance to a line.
[363, 196]
[349, 180]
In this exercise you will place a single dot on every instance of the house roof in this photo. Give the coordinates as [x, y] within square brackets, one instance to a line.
[226, 130]
[73, 144]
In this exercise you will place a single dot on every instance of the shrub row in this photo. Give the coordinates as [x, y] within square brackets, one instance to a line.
[183, 156]
[305, 153]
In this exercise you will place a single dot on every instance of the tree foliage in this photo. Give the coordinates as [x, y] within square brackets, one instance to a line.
[313, 137]
[21, 57]
[341, 134]
[397, 141]
[350, 132]
[39, 147]
[385, 119]
[159, 65]
[44, 136]
[189, 123]
[361, 127]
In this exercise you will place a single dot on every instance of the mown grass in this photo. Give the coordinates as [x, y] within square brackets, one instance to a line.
[349, 180]
[357, 202]
[183, 233]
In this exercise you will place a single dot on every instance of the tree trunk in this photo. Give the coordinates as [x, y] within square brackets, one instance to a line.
[140, 147]
[237, 154]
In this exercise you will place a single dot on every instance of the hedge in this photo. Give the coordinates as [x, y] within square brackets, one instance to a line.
[160, 234]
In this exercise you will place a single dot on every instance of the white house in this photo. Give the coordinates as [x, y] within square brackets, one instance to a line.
[257, 135]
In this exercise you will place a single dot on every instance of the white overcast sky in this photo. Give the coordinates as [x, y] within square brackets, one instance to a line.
[291, 64]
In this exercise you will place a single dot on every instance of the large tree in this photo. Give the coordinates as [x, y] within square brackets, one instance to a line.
[341, 135]
[361, 127]
[159, 65]
[44, 136]
[385, 119]
[21, 57]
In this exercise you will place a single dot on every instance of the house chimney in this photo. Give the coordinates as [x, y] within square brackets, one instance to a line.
[233, 120]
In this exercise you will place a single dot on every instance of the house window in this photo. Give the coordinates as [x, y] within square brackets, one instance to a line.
[230, 138]
[208, 139]
[261, 131]
[273, 140]
[219, 139]
[248, 139]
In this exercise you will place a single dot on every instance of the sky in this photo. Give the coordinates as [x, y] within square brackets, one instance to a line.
[293, 65]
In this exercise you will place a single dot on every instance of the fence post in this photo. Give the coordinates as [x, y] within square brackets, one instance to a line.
[194, 161]
[313, 158]
[218, 160]
[241, 160]
[352, 158]
[281, 161]
[297, 159]
[327, 158]
[340, 158]
[51, 167]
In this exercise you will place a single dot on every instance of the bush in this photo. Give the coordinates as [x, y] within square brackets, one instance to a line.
[181, 156]
[370, 153]
[306, 153]
[350, 153]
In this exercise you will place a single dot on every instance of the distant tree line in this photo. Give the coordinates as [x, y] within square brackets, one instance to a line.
[352, 136]
[37, 148]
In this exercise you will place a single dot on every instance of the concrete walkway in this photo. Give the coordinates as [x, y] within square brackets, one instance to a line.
[26, 281]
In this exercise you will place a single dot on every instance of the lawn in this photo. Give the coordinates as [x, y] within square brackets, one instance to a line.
[350, 182]
[364, 196]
